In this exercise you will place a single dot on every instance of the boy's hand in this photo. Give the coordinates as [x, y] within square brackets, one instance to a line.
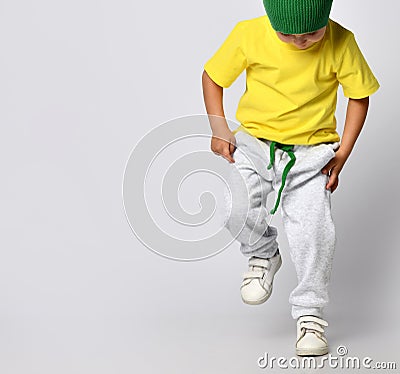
[333, 168]
[223, 143]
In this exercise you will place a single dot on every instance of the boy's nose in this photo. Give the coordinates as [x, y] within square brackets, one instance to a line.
[299, 41]
[299, 38]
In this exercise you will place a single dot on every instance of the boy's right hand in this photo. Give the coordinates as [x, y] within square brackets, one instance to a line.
[224, 144]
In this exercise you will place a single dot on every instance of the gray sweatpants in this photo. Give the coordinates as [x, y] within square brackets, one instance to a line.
[305, 207]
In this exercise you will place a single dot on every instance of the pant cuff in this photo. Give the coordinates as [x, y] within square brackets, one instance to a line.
[271, 252]
[298, 311]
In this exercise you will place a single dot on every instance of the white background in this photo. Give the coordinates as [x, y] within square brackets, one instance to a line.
[80, 83]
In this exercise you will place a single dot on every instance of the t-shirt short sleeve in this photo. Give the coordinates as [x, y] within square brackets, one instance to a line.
[354, 74]
[229, 60]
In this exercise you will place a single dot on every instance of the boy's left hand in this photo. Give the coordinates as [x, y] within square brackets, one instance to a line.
[333, 168]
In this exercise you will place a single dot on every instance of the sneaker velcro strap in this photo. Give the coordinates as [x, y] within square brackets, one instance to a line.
[259, 262]
[253, 274]
[318, 320]
[311, 326]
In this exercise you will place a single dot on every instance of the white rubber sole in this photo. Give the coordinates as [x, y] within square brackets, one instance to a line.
[312, 352]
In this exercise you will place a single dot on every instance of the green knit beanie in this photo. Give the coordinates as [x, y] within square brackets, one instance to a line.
[298, 16]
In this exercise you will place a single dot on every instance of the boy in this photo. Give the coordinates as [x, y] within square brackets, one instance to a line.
[295, 57]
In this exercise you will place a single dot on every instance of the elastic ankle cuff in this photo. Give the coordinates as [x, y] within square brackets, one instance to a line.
[298, 311]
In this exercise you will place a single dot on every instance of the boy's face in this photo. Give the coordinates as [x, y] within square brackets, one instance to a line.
[302, 41]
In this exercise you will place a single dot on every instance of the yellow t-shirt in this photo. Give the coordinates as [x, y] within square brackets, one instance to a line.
[291, 93]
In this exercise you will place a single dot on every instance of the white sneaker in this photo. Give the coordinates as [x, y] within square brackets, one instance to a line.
[257, 282]
[310, 336]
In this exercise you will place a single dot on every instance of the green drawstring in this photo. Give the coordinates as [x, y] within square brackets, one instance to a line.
[289, 150]
[271, 155]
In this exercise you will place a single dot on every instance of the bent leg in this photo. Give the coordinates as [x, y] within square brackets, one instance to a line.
[245, 202]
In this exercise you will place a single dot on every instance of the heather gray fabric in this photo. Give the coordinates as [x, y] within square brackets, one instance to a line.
[305, 207]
